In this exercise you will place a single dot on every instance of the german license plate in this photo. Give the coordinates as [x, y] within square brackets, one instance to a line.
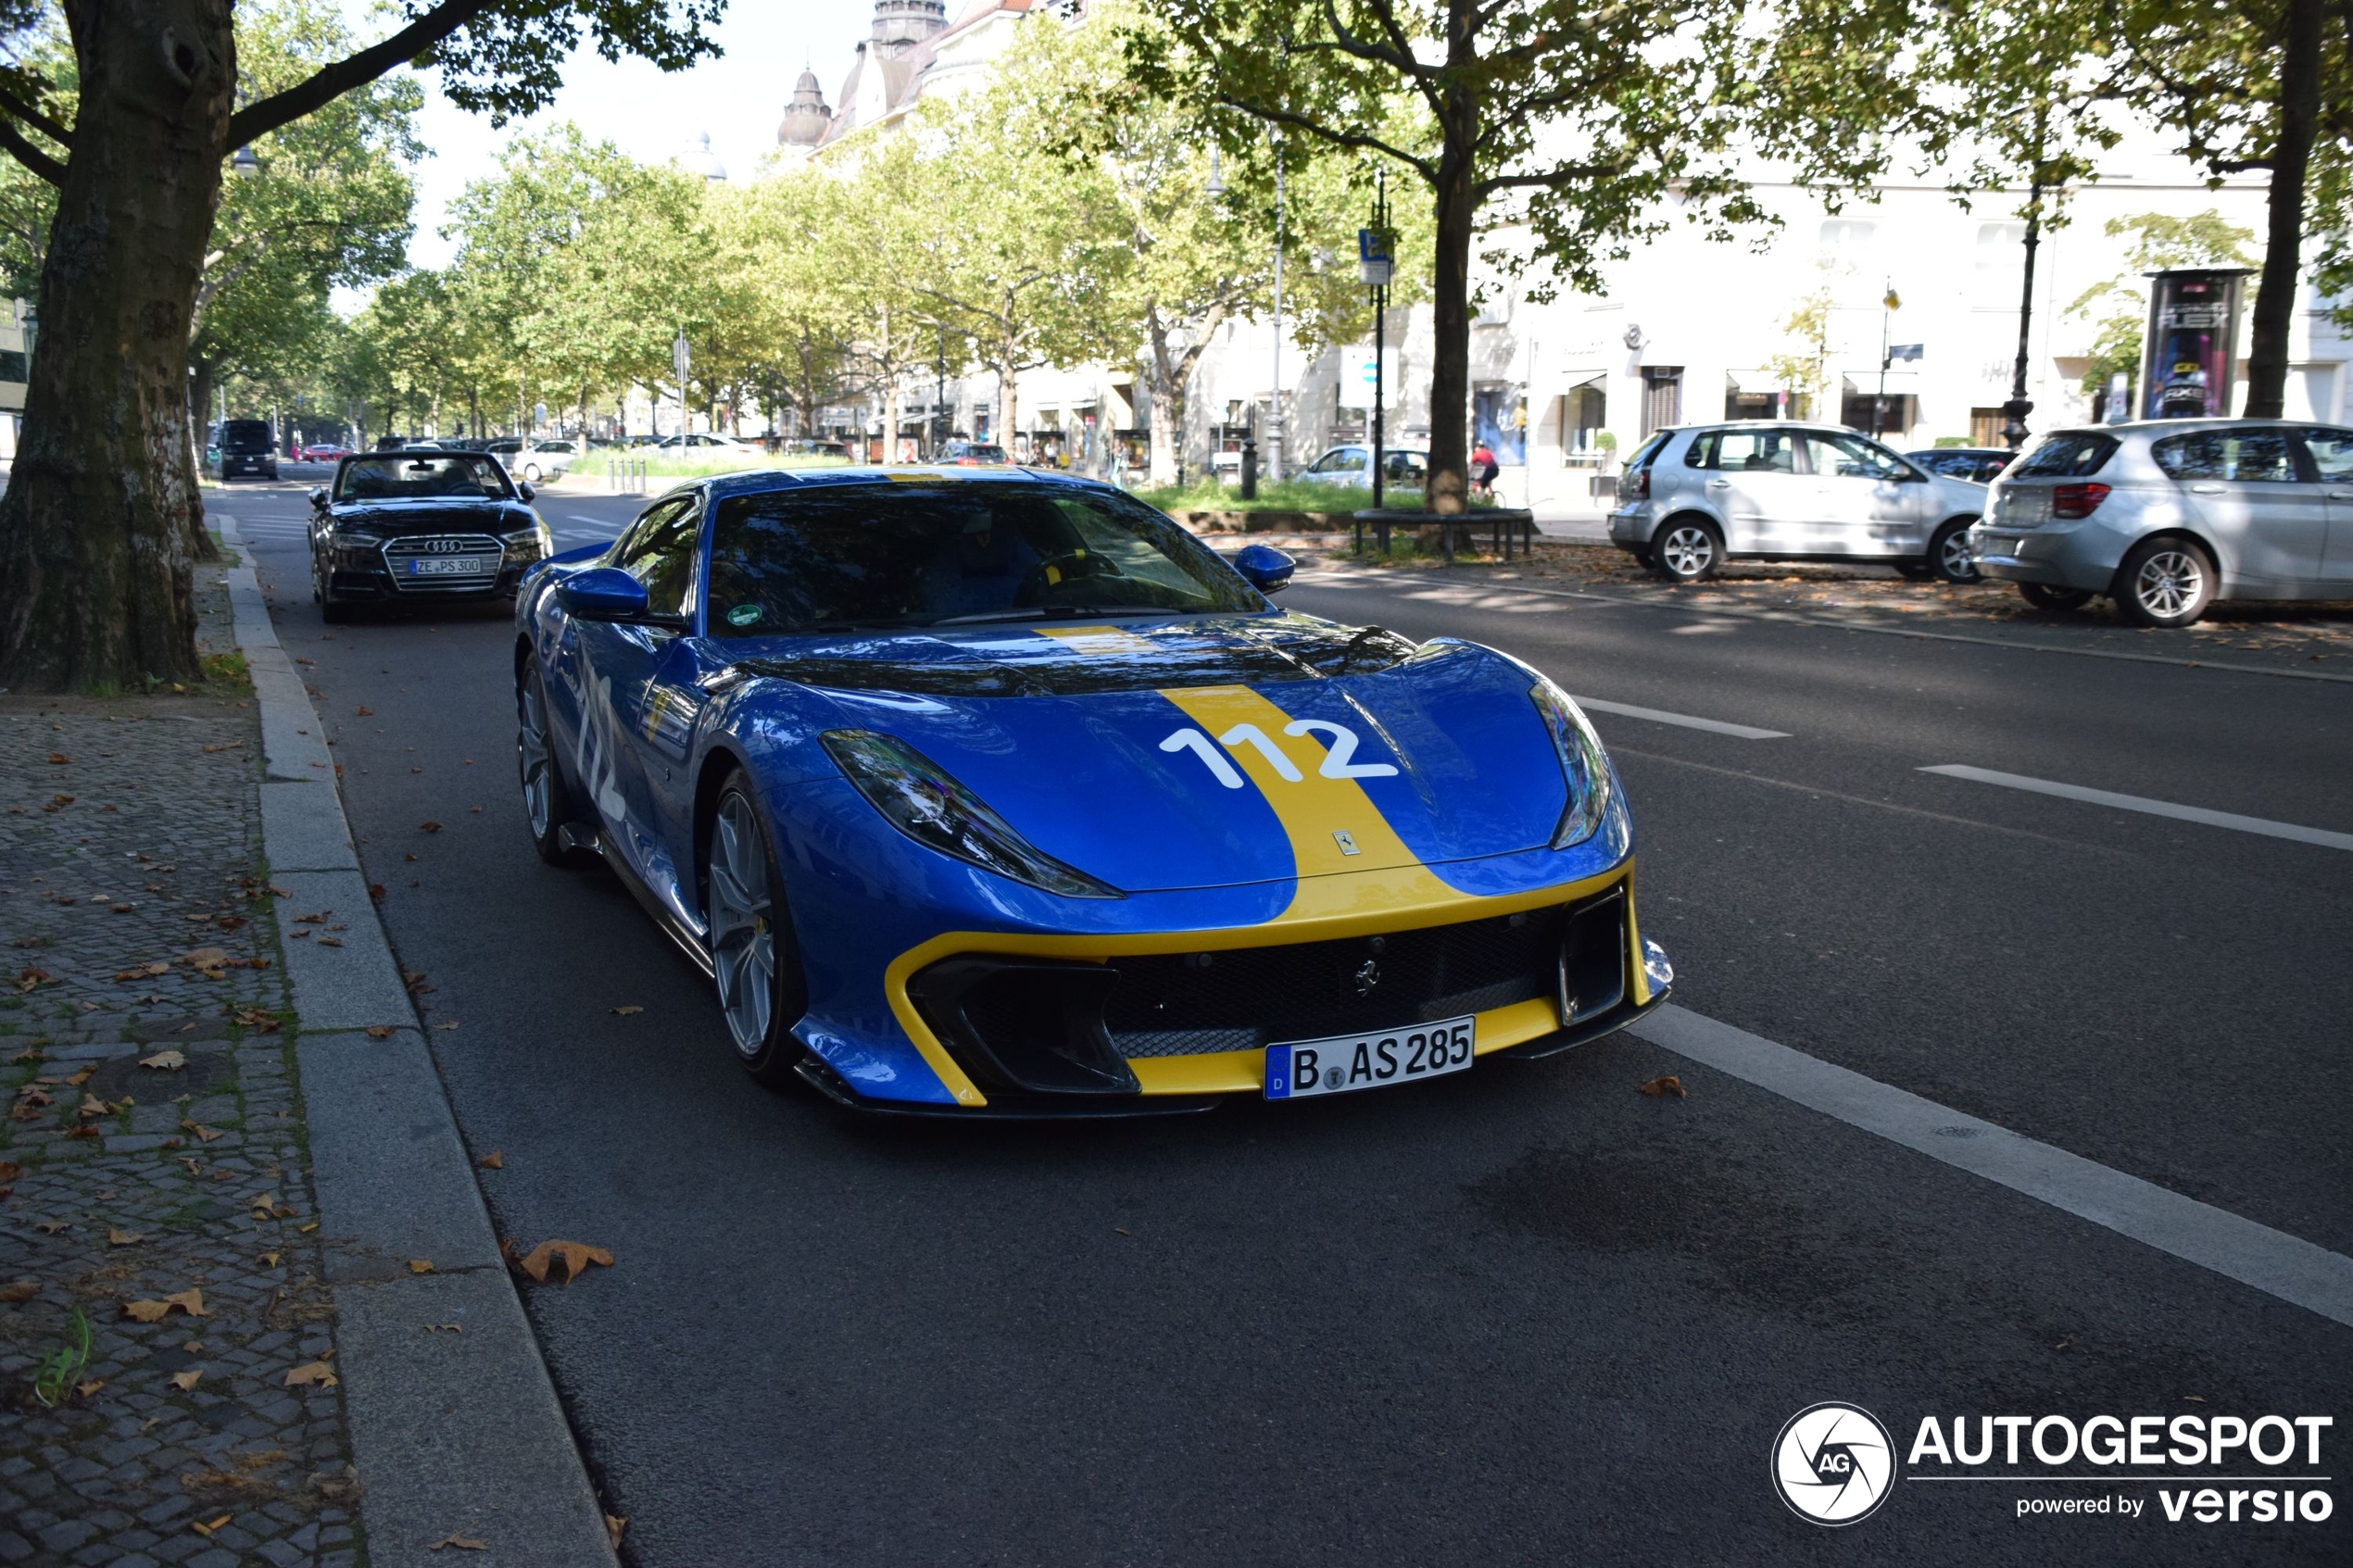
[452, 566]
[1300, 1069]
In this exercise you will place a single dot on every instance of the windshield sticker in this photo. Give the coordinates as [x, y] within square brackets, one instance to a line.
[744, 615]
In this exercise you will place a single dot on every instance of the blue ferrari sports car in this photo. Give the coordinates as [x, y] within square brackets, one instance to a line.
[980, 791]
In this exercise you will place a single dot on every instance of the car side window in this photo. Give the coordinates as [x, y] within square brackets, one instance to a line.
[2331, 452]
[2240, 455]
[660, 554]
[1752, 451]
[1347, 461]
[1849, 457]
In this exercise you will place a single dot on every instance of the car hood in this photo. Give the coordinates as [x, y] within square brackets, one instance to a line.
[432, 515]
[1102, 744]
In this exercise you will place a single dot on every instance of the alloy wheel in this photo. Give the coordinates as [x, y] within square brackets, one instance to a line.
[2169, 583]
[1687, 551]
[1953, 558]
[743, 938]
[532, 755]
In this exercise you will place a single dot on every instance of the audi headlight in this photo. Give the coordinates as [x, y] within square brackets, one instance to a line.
[536, 534]
[357, 537]
[1583, 763]
[922, 801]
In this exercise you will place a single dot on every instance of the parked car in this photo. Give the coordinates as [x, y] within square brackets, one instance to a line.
[320, 452]
[420, 523]
[1979, 465]
[1695, 496]
[2167, 516]
[246, 447]
[544, 459]
[810, 449]
[705, 445]
[965, 454]
[1353, 466]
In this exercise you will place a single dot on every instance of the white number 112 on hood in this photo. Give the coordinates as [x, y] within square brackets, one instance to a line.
[1338, 764]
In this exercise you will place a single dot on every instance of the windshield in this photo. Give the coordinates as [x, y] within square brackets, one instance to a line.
[408, 476]
[927, 555]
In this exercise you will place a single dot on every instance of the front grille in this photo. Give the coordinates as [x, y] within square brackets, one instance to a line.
[476, 547]
[1185, 1004]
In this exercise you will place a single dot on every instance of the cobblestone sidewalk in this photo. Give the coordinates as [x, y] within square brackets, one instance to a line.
[155, 1195]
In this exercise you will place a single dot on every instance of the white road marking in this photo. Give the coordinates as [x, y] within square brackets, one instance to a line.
[598, 521]
[2285, 1266]
[1656, 716]
[2263, 825]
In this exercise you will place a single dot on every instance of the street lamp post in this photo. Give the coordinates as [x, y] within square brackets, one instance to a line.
[1374, 266]
[681, 360]
[1274, 403]
[1889, 305]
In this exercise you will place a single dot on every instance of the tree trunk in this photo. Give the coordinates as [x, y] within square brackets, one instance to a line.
[1449, 486]
[96, 586]
[1008, 398]
[2275, 296]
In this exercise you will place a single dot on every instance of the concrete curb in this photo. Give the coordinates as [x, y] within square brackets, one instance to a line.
[451, 1431]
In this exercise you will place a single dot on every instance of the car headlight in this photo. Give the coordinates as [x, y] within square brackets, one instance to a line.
[359, 536]
[537, 535]
[922, 801]
[1583, 763]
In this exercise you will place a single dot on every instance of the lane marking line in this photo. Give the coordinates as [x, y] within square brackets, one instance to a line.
[1330, 579]
[2285, 1266]
[1658, 716]
[2263, 825]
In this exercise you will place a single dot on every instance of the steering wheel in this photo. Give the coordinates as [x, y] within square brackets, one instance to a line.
[1069, 567]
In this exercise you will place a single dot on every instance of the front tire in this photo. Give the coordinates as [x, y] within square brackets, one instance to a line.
[547, 801]
[530, 472]
[2165, 584]
[2042, 595]
[755, 957]
[1688, 550]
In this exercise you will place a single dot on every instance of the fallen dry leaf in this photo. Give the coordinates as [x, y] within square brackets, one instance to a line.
[614, 1526]
[10, 1171]
[376, 892]
[78, 1079]
[1661, 1088]
[86, 1389]
[380, 1031]
[445, 1328]
[428, 827]
[270, 1260]
[58, 759]
[317, 1374]
[463, 1543]
[204, 1134]
[626, 1011]
[330, 941]
[206, 1528]
[421, 1265]
[576, 1256]
[123, 1238]
[494, 1160]
[451, 1024]
[183, 1381]
[366, 712]
[19, 1290]
[164, 1061]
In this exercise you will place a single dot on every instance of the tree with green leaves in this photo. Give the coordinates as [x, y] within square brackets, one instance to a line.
[96, 578]
[2161, 242]
[1569, 122]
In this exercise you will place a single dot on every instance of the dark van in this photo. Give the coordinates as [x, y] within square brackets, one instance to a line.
[249, 446]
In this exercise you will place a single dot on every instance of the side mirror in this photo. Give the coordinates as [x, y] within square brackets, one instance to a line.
[602, 592]
[523, 489]
[318, 496]
[1264, 567]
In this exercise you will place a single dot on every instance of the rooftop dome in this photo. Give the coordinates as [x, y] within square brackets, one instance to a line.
[806, 115]
[899, 25]
[697, 159]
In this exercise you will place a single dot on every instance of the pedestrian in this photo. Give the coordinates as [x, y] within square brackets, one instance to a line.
[1483, 469]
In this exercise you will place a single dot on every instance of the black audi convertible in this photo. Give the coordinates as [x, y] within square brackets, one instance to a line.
[420, 524]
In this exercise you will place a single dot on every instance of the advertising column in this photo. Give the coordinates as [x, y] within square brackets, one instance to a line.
[2191, 351]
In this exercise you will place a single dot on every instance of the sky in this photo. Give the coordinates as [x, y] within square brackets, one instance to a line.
[739, 98]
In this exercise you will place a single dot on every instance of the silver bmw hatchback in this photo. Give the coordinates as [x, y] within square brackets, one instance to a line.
[1695, 496]
[2167, 516]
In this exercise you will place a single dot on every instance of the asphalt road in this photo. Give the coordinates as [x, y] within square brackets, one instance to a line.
[1523, 1316]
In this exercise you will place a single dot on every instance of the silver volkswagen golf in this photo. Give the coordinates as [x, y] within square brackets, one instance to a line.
[2167, 516]
[1696, 494]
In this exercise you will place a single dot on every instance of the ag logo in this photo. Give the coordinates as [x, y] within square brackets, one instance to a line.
[1833, 1463]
